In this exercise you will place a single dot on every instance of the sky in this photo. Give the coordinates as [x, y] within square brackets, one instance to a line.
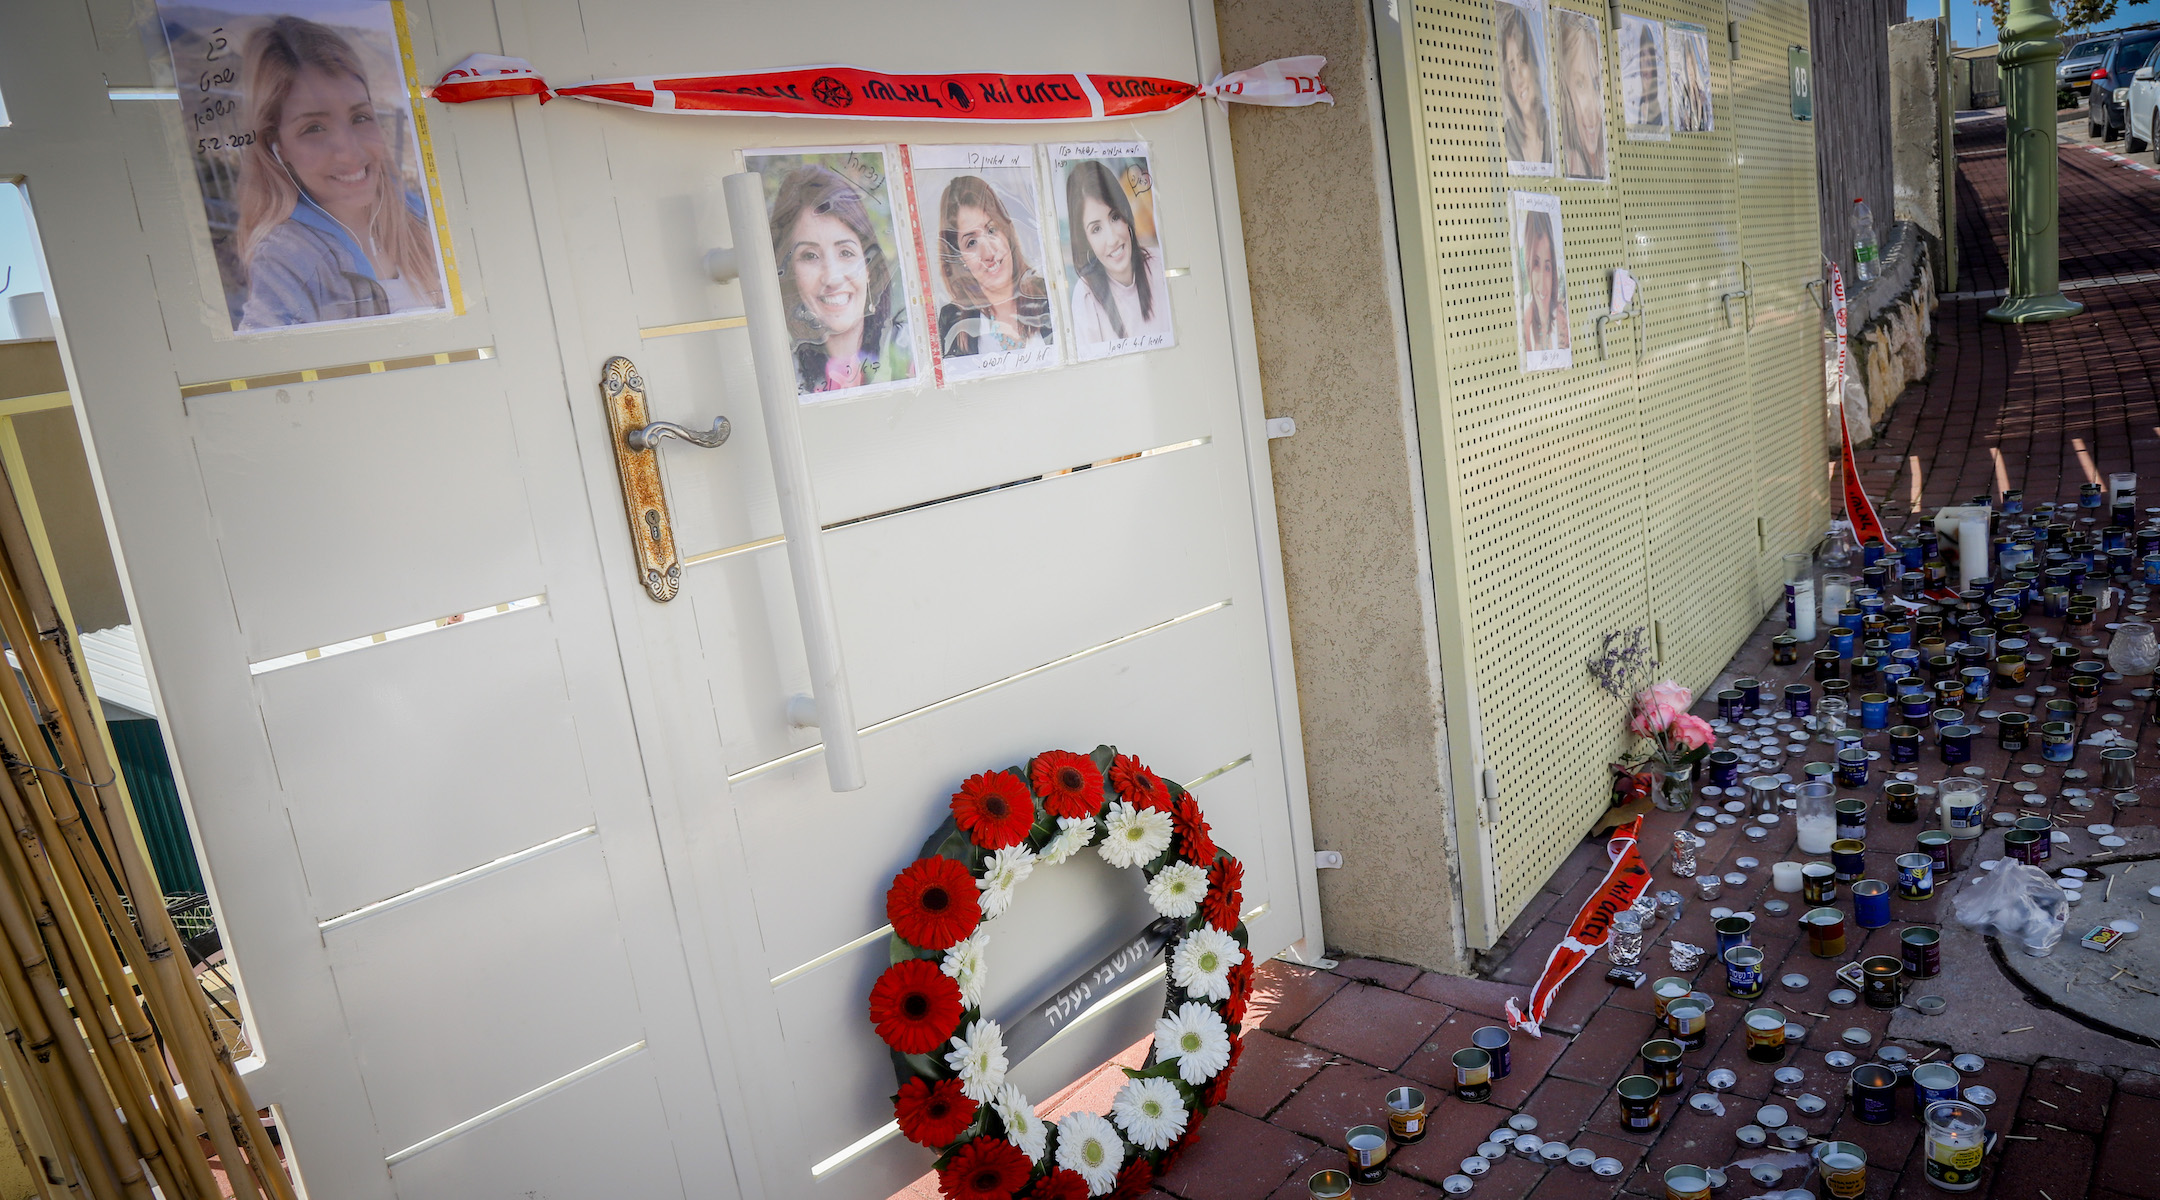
[1963, 12]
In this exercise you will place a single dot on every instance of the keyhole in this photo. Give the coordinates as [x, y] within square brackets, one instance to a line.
[652, 524]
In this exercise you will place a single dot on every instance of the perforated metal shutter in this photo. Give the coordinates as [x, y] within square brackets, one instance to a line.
[1779, 239]
[1616, 494]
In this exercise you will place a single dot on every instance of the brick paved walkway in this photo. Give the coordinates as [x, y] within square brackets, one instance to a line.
[2042, 408]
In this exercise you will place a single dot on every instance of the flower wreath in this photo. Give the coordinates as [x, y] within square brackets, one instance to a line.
[927, 1006]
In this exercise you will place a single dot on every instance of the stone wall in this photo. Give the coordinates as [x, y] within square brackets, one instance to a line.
[1891, 348]
[1314, 188]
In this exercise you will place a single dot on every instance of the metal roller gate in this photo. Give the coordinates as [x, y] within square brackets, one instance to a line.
[1654, 482]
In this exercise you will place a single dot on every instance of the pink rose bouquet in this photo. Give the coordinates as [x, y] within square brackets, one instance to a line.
[1661, 714]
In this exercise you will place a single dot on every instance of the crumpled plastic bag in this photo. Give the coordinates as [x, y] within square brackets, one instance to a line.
[2015, 903]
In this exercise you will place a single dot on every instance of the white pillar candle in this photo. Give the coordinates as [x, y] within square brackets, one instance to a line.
[1785, 876]
[1973, 549]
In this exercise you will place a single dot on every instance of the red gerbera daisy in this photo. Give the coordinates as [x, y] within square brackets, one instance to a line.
[1194, 843]
[1059, 1184]
[933, 903]
[1138, 783]
[933, 1114]
[995, 810]
[1225, 900]
[985, 1169]
[1218, 1088]
[1133, 1181]
[1241, 979]
[1070, 784]
[915, 1006]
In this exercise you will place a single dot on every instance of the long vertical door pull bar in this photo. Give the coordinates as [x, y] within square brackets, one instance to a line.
[774, 358]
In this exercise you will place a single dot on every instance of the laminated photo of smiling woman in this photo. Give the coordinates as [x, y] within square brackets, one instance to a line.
[981, 232]
[840, 282]
[1525, 117]
[328, 229]
[1120, 303]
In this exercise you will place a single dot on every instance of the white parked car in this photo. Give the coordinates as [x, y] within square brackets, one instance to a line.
[2141, 109]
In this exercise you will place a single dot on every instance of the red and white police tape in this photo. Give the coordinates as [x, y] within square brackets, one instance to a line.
[1626, 880]
[853, 94]
[1859, 508]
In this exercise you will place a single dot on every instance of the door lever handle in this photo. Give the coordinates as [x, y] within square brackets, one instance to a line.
[649, 437]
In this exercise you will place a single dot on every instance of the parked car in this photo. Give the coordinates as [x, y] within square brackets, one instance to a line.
[2104, 113]
[2141, 108]
[2073, 71]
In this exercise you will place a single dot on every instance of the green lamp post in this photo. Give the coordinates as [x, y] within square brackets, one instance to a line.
[2029, 51]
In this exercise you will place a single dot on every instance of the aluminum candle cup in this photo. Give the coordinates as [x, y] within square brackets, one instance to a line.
[1328, 1185]
[1871, 903]
[1743, 972]
[2010, 670]
[1921, 949]
[1829, 664]
[1945, 717]
[2118, 768]
[1956, 744]
[1915, 877]
[1978, 682]
[1732, 931]
[1367, 1146]
[1763, 793]
[1493, 1040]
[1818, 883]
[1784, 650]
[1934, 1081]
[1914, 707]
[1724, 768]
[1661, 1061]
[2085, 690]
[1843, 1166]
[2045, 846]
[2022, 845]
[1799, 699]
[1874, 711]
[1687, 1183]
[1750, 693]
[1874, 1093]
[1825, 932]
[1765, 1034]
[1901, 802]
[1848, 859]
[1852, 814]
[1730, 704]
[1689, 1022]
[1882, 986]
[1406, 1115]
[2058, 741]
[1905, 740]
[1664, 991]
[1473, 1075]
[1936, 845]
[1640, 1109]
[2012, 730]
[1852, 768]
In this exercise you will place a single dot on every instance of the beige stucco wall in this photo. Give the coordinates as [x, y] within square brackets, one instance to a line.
[1321, 256]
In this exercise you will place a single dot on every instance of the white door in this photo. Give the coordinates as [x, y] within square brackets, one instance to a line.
[530, 904]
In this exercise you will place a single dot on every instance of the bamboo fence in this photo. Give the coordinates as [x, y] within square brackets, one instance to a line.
[118, 1078]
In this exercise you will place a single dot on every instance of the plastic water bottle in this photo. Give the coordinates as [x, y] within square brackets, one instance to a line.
[1863, 241]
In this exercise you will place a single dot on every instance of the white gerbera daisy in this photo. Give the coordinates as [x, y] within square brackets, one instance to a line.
[1197, 1038]
[1023, 1128]
[1176, 889]
[1201, 964]
[1074, 833]
[968, 966]
[1002, 872]
[1090, 1147]
[1133, 835]
[1151, 1111]
[978, 1058]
